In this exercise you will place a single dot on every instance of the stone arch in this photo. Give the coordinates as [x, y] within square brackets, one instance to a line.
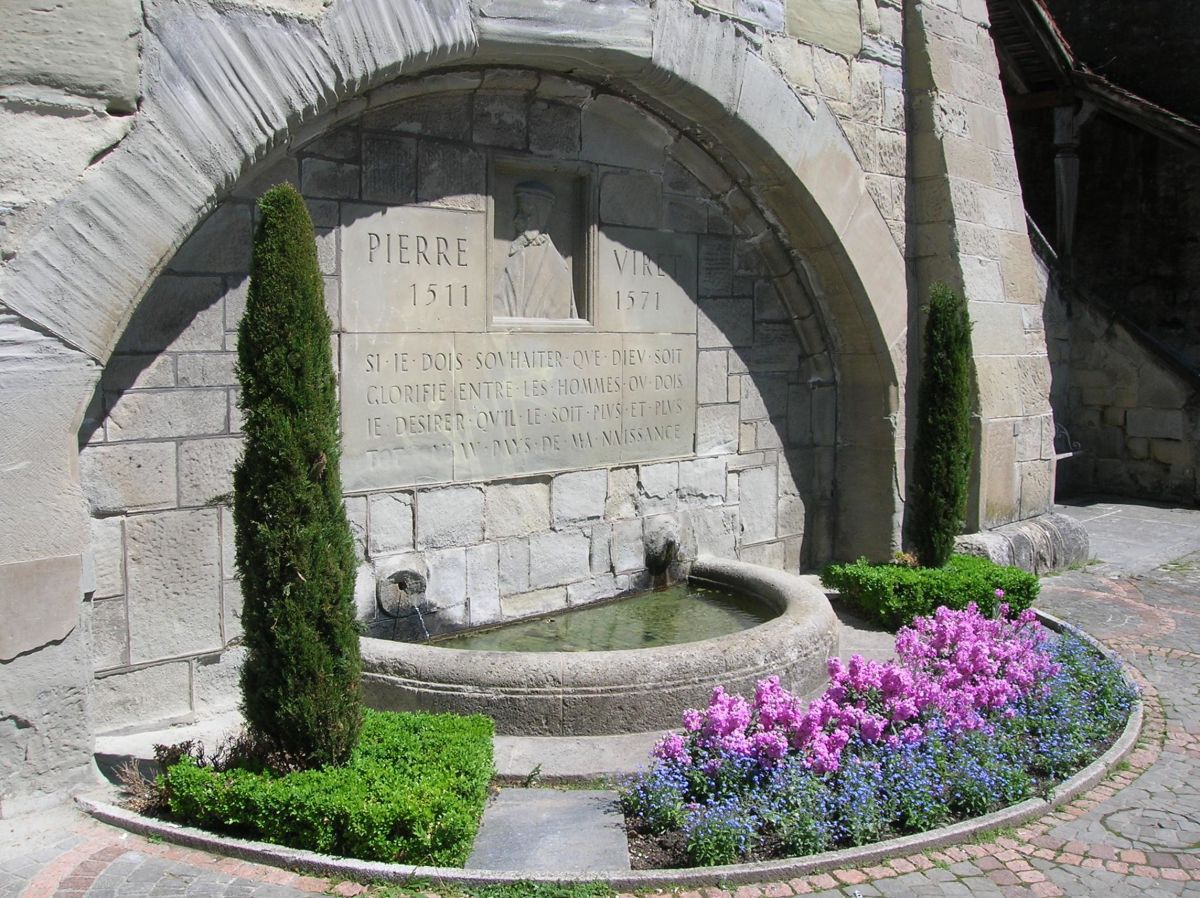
[223, 90]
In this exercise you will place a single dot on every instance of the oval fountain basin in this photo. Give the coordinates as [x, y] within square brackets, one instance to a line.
[623, 691]
[683, 612]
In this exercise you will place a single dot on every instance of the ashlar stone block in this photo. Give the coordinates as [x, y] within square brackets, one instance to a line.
[538, 601]
[835, 24]
[231, 609]
[221, 244]
[514, 566]
[726, 322]
[601, 551]
[657, 485]
[500, 119]
[717, 429]
[449, 517]
[206, 469]
[450, 175]
[715, 531]
[618, 133]
[628, 547]
[138, 372]
[712, 373]
[91, 47]
[177, 413]
[631, 199]
[108, 552]
[216, 681]
[390, 524]
[128, 477]
[446, 586]
[483, 583]
[207, 369]
[178, 314]
[389, 173]
[110, 632]
[757, 491]
[331, 180]
[702, 481]
[594, 590]
[356, 517]
[173, 565]
[516, 509]
[622, 494]
[558, 558]
[578, 496]
[554, 129]
[148, 695]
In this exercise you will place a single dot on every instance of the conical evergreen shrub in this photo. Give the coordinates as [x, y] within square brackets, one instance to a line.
[942, 449]
[300, 679]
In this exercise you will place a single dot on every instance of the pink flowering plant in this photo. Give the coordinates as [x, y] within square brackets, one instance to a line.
[887, 746]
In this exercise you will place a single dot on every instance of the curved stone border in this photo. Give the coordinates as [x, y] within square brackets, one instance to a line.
[733, 874]
[1048, 542]
[630, 691]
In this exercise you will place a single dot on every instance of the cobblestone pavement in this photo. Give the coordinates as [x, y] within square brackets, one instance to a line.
[1136, 834]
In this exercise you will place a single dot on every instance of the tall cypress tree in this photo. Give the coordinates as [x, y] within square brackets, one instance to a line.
[300, 680]
[942, 449]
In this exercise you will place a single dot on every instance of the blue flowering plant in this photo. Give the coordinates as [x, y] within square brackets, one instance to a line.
[976, 713]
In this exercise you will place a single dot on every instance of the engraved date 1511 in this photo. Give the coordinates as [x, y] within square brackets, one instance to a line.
[448, 295]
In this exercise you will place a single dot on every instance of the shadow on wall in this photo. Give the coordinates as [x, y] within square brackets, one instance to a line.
[512, 463]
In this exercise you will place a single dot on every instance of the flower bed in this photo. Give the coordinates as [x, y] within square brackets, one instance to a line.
[976, 713]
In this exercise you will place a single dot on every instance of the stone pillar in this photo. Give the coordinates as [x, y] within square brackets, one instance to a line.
[45, 658]
[970, 232]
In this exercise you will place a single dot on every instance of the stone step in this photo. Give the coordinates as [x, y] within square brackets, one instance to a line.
[552, 830]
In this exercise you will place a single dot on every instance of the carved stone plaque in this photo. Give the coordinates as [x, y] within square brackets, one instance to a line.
[444, 407]
[413, 268]
[399, 424]
[646, 281]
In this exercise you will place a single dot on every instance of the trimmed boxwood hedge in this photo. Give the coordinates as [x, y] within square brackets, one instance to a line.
[412, 792]
[893, 594]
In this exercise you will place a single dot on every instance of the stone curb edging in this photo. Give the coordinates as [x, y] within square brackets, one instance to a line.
[311, 862]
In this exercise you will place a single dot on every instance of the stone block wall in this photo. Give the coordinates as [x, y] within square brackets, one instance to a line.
[779, 120]
[850, 56]
[969, 232]
[163, 434]
[1133, 417]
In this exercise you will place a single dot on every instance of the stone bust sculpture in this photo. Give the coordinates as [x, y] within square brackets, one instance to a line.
[536, 281]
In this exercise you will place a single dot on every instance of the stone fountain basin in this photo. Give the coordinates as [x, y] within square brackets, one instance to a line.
[608, 692]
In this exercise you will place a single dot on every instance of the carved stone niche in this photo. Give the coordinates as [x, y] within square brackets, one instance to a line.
[543, 240]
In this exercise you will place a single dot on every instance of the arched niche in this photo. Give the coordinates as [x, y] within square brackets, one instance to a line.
[223, 92]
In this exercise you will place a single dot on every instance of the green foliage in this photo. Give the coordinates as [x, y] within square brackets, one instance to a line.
[526, 889]
[411, 792]
[893, 594]
[942, 449]
[300, 680]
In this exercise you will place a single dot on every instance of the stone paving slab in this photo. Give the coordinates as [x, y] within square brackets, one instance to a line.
[548, 830]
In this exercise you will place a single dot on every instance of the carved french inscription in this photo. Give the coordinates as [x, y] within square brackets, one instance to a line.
[646, 281]
[660, 396]
[458, 407]
[413, 268]
[399, 421]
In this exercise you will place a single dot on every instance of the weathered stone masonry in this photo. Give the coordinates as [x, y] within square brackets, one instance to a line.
[778, 138]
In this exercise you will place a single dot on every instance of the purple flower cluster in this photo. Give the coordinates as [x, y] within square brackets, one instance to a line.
[954, 670]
